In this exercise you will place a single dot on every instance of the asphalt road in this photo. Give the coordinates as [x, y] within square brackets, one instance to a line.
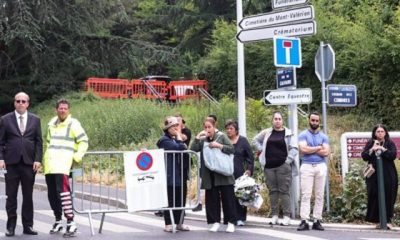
[145, 225]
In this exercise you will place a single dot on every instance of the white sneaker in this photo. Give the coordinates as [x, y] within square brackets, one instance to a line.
[215, 227]
[274, 220]
[57, 227]
[240, 223]
[285, 221]
[230, 228]
[71, 230]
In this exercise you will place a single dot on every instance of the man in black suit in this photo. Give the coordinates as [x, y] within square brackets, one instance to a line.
[21, 154]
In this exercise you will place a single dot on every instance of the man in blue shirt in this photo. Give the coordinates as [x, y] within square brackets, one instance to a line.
[314, 146]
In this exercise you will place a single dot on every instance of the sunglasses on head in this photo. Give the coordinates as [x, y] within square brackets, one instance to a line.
[20, 101]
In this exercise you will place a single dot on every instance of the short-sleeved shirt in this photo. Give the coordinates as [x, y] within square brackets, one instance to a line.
[313, 139]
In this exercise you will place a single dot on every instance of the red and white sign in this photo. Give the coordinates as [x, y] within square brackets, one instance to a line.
[287, 45]
[355, 146]
[352, 144]
[146, 185]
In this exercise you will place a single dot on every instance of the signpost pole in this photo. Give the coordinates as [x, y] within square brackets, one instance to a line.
[293, 125]
[240, 78]
[324, 120]
[381, 192]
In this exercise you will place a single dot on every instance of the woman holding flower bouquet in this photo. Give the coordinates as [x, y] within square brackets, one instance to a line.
[243, 162]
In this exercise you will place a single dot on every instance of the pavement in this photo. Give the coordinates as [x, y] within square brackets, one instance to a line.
[252, 220]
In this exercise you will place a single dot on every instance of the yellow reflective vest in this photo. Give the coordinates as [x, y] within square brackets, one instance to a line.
[65, 142]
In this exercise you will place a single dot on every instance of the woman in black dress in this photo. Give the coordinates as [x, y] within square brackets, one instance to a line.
[243, 162]
[382, 145]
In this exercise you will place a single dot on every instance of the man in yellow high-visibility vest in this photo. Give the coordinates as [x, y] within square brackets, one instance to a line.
[66, 142]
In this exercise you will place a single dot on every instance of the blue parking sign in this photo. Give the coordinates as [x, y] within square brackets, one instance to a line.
[287, 52]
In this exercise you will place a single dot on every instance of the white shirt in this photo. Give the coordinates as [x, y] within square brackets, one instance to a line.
[25, 116]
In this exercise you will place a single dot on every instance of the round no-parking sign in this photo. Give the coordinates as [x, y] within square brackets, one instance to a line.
[144, 161]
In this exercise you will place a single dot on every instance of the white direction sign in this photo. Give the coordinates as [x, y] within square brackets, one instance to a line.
[286, 97]
[293, 30]
[286, 3]
[278, 17]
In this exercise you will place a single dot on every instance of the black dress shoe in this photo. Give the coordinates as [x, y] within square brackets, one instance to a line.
[159, 214]
[303, 226]
[317, 226]
[10, 232]
[198, 208]
[30, 231]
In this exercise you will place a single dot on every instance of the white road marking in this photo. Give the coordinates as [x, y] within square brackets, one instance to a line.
[280, 234]
[40, 226]
[84, 220]
[380, 238]
[148, 221]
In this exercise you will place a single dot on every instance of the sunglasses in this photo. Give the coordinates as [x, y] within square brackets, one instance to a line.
[20, 101]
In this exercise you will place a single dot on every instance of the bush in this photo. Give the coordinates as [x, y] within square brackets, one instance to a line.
[351, 205]
[135, 123]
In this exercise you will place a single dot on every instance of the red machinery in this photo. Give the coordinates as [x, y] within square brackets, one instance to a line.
[151, 87]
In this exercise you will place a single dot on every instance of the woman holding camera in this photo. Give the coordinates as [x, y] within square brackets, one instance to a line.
[381, 148]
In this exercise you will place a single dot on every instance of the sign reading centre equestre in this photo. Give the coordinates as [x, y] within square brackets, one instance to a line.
[285, 97]
[146, 186]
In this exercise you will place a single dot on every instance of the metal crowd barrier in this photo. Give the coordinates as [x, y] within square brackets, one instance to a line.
[98, 185]
[2, 172]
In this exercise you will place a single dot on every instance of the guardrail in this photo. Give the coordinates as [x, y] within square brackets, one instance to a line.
[98, 187]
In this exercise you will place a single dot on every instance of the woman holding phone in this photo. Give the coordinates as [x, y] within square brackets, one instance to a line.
[381, 148]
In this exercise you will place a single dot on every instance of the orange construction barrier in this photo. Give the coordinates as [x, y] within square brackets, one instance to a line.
[184, 89]
[148, 89]
[108, 88]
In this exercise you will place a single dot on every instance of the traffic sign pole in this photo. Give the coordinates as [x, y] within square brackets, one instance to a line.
[324, 120]
[323, 90]
[293, 125]
[241, 76]
[381, 192]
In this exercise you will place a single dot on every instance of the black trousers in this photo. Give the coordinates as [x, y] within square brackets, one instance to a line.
[214, 196]
[241, 211]
[178, 201]
[59, 195]
[17, 174]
